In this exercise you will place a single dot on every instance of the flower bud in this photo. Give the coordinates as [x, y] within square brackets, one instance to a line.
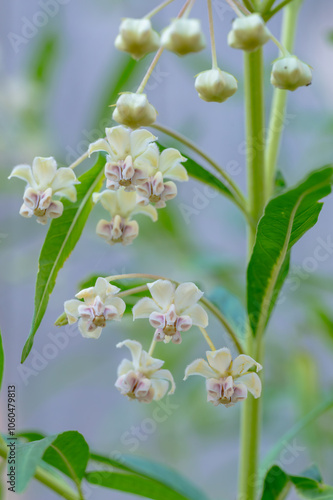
[289, 73]
[137, 37]
[248, 33]
[215, 85]
[134, 110]
[183, 36]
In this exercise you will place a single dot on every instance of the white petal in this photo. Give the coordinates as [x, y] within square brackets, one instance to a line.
[108, 199]
[71, 310]
[140, 140]
[200, 367]
[148, 364]
[170, 165]
[252, 382]
[186, 295]
[166, 375]
[198, 315]
[162, 292]
[144, 308]
[69, 193]
[148, 161]
[88, 294]
[125, 366]
[148, 210]
[44, 170]
[118, 303]
[23, 172]
[103, 288]
[119, 140]
[127, 201]
[92, 334]
[136, 350]
[242, 364]
[160, 388]
[64, 178]
[100, 145]
[219, 360]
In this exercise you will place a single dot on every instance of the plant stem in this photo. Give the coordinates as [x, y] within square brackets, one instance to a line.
[279, 103]
[158, 9]
[212, 35]
[207, 338]
[266, 5]
[255, 127]
[277, 9]
[54, 483]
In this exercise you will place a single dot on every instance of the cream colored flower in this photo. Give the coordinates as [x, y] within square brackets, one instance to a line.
[155, 190]
[43, 181]
[183, 36]
[289, 73]
[137, 37]
[142, 378]
[227, 381]
[121, 205]
[215, 85]
[134, 110]
[248, 33]
[172, 309]
[100, 304]
[132, 156]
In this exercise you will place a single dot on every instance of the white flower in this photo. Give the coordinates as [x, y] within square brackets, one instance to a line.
[132, 156]
[121, 205]
[142, 378]
[215, 85]
[43, 181]
[171, 310]
[248, 33]
[183, 36]
[155, 190]
[137, 37]
[227, 381]
[134, 110]
[289, 73]
[100, 305]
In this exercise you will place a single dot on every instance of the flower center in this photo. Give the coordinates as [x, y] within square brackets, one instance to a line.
[154, 198]
[125, 182]
[39, 212]
[99, 321]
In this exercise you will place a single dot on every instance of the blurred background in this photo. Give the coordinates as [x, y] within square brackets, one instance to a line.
[58, 74]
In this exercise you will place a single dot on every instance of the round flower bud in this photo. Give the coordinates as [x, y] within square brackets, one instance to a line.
[215, 85]
[134, 111]
[248, 33]
[183, 36]
[137, 37]
[289, 73]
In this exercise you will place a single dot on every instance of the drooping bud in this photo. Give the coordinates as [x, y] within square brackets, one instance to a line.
[137, 37]
[289, 73]
[134, 110]
[248, 33]
[183, 36]
[215, 85]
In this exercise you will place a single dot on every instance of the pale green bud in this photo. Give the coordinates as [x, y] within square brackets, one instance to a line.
[289, 73]
[134, 110]
[183, 36]
[215, 85]
[137, 37]
[248, 33]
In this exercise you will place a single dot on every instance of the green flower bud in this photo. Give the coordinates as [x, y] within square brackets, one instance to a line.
[183, 36]
[215, 85]
[134, 110]
[248, 33]
[289, 73]
[137, 37]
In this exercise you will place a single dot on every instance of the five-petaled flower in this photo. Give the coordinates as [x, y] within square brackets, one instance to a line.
[227, 381]
[132, 156]
[172, 309]
[43, 181]
[142, 378]
[121, 205]
[100, 305]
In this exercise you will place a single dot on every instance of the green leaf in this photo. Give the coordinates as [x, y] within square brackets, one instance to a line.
[28, 458]
[154, 471]
[199, 173]
[69, 453]
[231, 308]
[307, 485]
[60, 241]
[131, 483]
[286, 219]
[2, 360]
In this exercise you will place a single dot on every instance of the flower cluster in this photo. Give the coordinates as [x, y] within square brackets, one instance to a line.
[44, 181]
[171, 311]
[135, 172]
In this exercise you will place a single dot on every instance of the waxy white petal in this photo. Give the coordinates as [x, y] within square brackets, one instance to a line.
[24, 172]
[198, 315]
[100, 145]
[166, 375]
[200, 367]
[162, 292]
[136, 350]
[119, 141]
[219, 360]
[252, 382]
[186, 295]
[170, 165]
[144, 308]
[44, 170]
[71, 310]
[243, 364]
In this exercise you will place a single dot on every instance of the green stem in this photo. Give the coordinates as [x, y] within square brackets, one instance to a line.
[272, 13]
[279, 103]
[52, 482]
[255, 126]
[266, 5]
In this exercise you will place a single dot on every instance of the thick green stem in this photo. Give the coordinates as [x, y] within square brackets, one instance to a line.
[52, 482]
[279, 103]
[255, 138]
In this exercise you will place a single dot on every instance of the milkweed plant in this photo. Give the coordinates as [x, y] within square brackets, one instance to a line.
[133, 174]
